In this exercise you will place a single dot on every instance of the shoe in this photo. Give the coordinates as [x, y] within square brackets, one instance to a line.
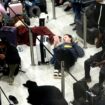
[55, 73]
[72, 24]
[67, 8]
[59, 74]
[74, 29]
[86, 79]
[13, 99]
[58, 77]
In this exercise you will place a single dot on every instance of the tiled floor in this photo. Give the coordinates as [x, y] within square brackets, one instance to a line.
[43, 74]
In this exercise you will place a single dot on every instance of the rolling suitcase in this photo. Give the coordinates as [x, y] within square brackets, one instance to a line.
[79, 89]
[10, 33]
[92, 32]
[42, 49]
[16, 7]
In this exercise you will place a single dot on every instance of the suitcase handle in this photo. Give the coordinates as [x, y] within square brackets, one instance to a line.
[44, 52]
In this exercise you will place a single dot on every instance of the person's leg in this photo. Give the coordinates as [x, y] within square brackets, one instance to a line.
[87, 65]
[102, 76]
[12, 68]
[90, 63]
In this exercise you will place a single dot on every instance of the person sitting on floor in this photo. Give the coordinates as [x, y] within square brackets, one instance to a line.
[9, 59]
[68, 52]
[96, 60]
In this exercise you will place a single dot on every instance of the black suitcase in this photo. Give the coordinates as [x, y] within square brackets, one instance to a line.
[10, 33]
[92, 32]
[79, 89]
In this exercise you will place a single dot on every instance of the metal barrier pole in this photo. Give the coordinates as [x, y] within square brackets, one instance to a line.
[85, 28]
[31, 48]
[62, 79]
[53, 7]
[1, 90]
[0, 98]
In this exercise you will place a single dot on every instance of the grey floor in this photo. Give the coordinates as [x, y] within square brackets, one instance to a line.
[43, 74]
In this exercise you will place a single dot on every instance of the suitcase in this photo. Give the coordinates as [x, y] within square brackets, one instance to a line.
[16, 7]
[42, 49]
[79, 89]
[92, 32]
[10, 33]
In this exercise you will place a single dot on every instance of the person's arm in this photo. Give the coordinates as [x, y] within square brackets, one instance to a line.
[2, 56]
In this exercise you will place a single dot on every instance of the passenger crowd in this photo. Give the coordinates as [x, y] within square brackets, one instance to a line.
[67, 50]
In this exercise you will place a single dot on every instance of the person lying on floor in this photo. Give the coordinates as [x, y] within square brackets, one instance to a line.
[68, 52]
[9, 59]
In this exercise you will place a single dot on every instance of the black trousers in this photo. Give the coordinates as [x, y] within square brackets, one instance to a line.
[90, 63]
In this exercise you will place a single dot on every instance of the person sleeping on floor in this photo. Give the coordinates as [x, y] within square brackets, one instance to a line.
[68, 51]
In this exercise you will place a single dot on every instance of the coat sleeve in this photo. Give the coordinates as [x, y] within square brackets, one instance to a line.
[79, 50]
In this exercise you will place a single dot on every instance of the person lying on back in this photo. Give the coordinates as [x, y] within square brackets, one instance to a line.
[68, 52]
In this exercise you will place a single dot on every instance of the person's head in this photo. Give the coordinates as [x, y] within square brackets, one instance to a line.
[57, 39]
[67, 38]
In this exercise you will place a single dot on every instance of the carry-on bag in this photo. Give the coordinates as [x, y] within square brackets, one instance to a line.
[79, 89]
[16, 7]
[10, 33]
[43, 56]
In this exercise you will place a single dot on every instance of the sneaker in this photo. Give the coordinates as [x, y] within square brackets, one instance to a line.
[59, 74]
[55, 72]
[72, 24]
[57, 77]
[86, 79]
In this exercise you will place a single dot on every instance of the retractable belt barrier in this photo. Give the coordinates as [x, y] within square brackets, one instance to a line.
[32, 56]
[1, 91]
